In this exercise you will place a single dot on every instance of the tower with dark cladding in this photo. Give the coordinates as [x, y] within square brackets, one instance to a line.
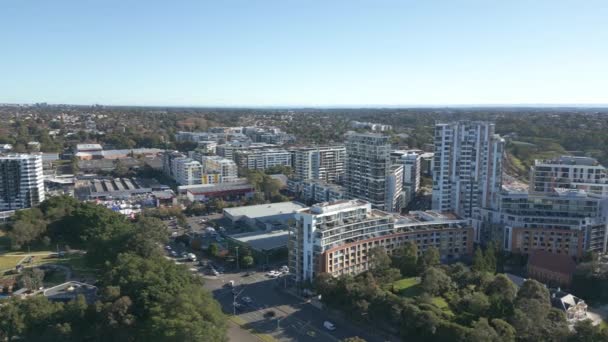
[368, 168]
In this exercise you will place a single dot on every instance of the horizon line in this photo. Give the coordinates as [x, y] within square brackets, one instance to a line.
[336, 106]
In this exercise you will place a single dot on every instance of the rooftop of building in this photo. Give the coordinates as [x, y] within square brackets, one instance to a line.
[564, 300]
[569, 160]
[336, 206]
[122, 184]
[263, 241]
[86, 147]
[20, 156]
[263, 210]
[207, 188]
[430, 218]
[70, 290]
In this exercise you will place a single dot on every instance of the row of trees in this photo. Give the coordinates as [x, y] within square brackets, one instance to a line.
[482, 306]
[143, 296]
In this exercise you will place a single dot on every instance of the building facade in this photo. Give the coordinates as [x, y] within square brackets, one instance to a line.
[569, 172]
[21, 181]
[368, 167]
[324, 163]
[262, 159]
[336, 237]
[467, 167]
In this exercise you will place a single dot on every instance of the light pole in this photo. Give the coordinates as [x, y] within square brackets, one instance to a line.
[238, 268]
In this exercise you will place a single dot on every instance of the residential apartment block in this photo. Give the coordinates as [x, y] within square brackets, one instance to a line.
[316, 191]
[262, 159]
[412, 166]
[324, 163]
[369, 174]
[467, 167]
[336, 237]
[21, 181]
[569, 172]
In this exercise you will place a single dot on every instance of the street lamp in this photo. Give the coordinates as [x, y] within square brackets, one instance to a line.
[238, 268]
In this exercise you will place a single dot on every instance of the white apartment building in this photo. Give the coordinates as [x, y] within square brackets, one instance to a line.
[225, 168]
[412, 162]
[187, 171]
[262, 159]
[324, 163]
[335, 237]
[467, 167]
[565, 221]
[207, 146]
[316, 191]
[569, 172]
[21, 181]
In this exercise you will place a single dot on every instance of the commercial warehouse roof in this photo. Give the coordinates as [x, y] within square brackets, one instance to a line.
[263, 241]
[263, 210]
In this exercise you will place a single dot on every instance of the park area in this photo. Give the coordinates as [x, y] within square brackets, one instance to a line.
[411, 287]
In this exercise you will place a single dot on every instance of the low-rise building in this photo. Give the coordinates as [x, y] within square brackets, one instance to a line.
[574, 307]
[70, 290]
[237, 190]
[315, 191]
[88, 151]
[551, 268]
[268, 216]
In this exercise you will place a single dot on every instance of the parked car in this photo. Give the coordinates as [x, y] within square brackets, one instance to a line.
[247, 300]
[270, 314]
[329, 326]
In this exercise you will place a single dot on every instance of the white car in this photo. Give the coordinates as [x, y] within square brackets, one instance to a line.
[273, 274]
[329, 326]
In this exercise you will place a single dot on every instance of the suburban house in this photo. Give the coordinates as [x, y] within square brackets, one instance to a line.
[574, 307]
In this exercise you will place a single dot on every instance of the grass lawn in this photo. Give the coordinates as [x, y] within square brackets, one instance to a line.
[408, 287]
[8, 262]
[441, 303]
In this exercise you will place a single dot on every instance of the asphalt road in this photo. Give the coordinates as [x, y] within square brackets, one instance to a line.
[293, 319]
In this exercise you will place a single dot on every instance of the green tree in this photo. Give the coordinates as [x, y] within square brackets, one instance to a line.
[353, 339]
[31, 278]
[483, 332]
[490, 258]
[435, 281]
[213, 250]
[406, 258]
[247, 261]
[12, 322]
[585, 331]
[378, 260]
[430, 258]
[479, 262]
[505, 331]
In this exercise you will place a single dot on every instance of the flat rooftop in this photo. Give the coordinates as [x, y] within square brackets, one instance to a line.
[328, 207]
[263, 241]
[569, 160]
[263, 210]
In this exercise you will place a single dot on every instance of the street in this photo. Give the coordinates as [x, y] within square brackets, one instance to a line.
[291, 319]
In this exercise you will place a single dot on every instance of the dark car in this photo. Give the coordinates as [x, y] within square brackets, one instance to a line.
[270, 314]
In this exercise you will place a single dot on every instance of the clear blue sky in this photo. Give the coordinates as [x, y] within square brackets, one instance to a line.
[288, 52]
